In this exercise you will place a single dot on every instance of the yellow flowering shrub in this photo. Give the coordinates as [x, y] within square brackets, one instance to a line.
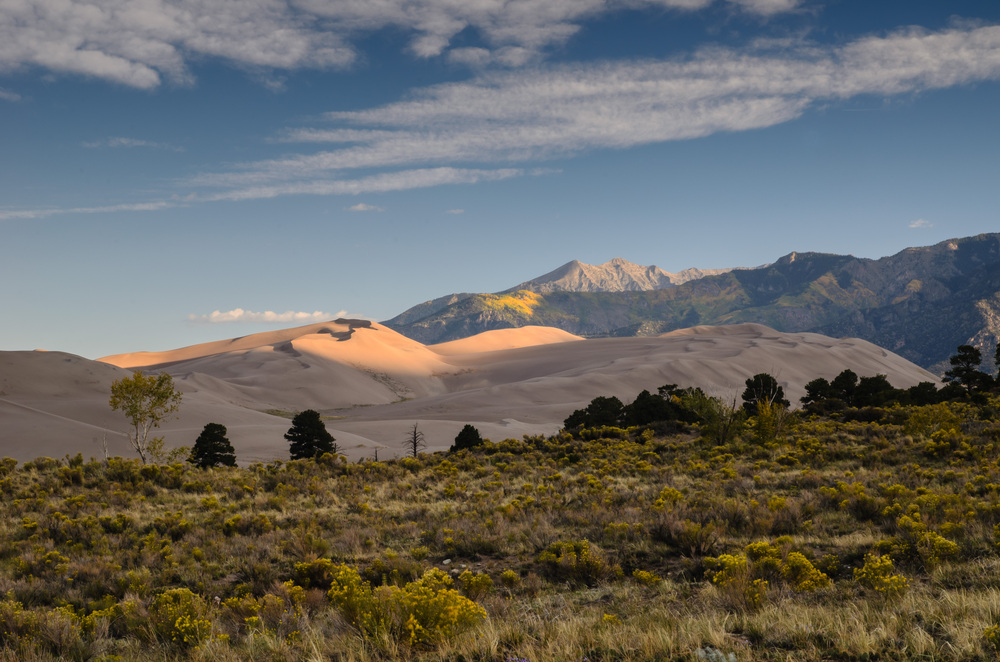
[876, 574]
[17, 625]
[744, 579]
[916, 544]
[475, 585]
[992, 637]
[509, 578]
[576, 562]
[731, 573]
[802, 575]
[646, 578]
[423, 612]
[180, 616]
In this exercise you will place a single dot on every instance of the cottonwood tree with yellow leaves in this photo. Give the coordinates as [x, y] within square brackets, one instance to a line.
[146, 401]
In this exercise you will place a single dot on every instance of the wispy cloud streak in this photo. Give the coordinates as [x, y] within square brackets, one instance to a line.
[382, 183]
[11, 214]
[120, 141]
[560, 111]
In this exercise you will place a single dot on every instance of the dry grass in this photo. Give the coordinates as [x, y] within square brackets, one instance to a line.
[86, 548]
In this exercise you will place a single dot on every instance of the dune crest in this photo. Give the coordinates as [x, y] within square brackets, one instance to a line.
[491, 341]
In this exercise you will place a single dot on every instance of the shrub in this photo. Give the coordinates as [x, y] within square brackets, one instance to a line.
[394, 569]
[475, 585]
[509, 579]
[876, 574]
[992, 637]
[424, 612]
[745, 578]
[645, 578]
[17, 625]
[917, 545]
[180, 616]
[802, 575]
[732, 575]
[575, 562]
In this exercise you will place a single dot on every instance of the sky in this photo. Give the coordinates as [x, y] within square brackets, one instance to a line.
[181, 171]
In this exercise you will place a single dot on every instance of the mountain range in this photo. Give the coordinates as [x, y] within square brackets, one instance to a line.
[920, 303]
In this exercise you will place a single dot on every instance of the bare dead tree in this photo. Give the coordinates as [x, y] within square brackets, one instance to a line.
[414, 442]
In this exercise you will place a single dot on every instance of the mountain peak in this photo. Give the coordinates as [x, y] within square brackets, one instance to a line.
[615, 275]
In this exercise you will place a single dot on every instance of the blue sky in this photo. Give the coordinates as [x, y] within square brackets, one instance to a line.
[184, 171]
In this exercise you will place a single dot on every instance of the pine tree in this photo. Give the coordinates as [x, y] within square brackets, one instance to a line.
[965, 369]
[308, 436]
[212, 448]
[469, 437]
[763, 387]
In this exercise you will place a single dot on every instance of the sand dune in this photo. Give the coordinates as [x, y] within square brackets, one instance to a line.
[374, 383]
[491, 341]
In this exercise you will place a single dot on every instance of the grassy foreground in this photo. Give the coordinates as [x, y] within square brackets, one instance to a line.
[823, 540]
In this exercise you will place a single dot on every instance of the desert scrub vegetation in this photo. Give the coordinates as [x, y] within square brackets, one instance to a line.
[874, 534]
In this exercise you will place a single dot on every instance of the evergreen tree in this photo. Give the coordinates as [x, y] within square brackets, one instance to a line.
[844, 385]
[212, 448]
[648, 408]
[600, 412]
[763, 387]
[965, 369]
[469, 437]
[924, 393]
[308, 436]
[875, 392]
[817, 391]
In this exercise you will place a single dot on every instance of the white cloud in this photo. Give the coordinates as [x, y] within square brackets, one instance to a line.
[361, 206]
[141, 43]
[921, 223]
[45, 213]
[131, 142]
[9, 96]
[767, 7]
[559, 111]
[391, 181]
[455, 211]
[266, 317]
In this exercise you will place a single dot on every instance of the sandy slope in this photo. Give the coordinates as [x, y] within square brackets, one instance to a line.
[491, 341]
[375, 383]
